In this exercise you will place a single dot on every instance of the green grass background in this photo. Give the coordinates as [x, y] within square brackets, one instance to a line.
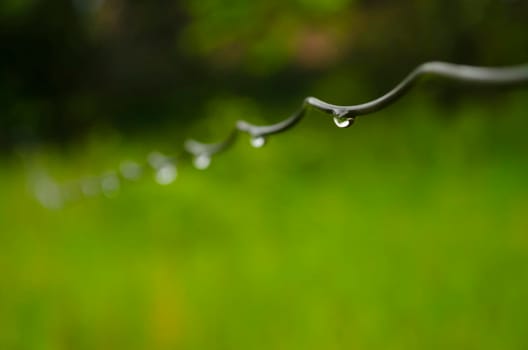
[407, 231]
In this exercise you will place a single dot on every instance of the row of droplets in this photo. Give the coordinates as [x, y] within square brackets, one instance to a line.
[164, 169]
[54, 195]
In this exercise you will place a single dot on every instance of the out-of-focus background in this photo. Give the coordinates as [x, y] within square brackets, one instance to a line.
[407, 231]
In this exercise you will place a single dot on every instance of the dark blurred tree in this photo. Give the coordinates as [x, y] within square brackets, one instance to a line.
[69, 65]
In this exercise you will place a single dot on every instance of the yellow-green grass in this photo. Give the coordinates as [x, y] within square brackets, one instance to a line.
[407, 231]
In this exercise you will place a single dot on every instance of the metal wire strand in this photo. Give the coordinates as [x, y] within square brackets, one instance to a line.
[344, 116]
[53, 195]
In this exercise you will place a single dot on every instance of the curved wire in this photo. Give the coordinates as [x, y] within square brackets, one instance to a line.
[54, 195]
[344, 116]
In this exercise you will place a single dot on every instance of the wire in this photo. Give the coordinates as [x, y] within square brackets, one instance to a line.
[343, 116]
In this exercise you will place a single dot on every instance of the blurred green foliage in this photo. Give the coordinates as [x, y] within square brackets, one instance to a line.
[407, 231]
[69, 66]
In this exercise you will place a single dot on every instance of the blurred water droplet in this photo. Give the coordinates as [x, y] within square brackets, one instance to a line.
[131, 170]
[110, 184]
[166, 174]
[90, 187]
[71, 192]
[156, 159]
[258, 141]
[48, 194]
[202, 161]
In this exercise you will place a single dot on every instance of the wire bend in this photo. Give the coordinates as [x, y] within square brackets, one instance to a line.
[54, 195]
[344, 116]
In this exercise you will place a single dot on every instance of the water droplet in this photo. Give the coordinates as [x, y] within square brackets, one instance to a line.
[258, 141]
[48, 194]
[110, 184]
[166, 174]
[130, 170]
[90, 187]
[341, 120]
[71, 191]
[202, 161]
[156, 159]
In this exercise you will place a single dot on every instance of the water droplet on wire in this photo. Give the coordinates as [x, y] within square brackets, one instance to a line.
[71, 191]
[131, 170]
[110, 184]
[202, 161]
[341, 120]
[156, 159]
[90, 187]
[258, 141]
[166, 174]
[48, 193]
